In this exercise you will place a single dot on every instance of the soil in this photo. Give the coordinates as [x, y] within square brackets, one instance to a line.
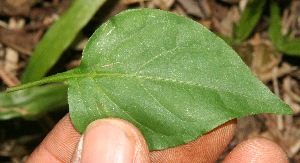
[24, 22]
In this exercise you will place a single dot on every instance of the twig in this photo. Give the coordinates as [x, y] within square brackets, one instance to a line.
[8, 80]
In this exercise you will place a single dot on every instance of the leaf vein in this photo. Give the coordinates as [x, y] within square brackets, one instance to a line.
[114, 103]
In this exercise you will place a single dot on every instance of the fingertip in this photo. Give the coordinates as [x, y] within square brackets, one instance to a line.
[58, 145]
[257, 150]
[206, 148]
[113, 140]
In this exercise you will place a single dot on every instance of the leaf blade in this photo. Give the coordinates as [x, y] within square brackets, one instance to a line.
[172, 79]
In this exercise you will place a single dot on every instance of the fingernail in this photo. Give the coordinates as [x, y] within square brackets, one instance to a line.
[77, 154]
[107, 143]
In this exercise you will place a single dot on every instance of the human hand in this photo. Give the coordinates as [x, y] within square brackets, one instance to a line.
[114, 140]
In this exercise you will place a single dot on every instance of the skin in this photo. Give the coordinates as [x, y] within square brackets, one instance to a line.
[116, 140]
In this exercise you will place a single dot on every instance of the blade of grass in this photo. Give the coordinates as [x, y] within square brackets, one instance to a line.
[59, 37]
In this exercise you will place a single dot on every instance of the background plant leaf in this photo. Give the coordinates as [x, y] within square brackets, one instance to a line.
[59, 36]
[291, 47]
[33, 102]
[250, 17]
[168, 75]
[275, 25]
[281, 42]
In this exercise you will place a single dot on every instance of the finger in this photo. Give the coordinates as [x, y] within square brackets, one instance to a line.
[257, 150]
[58, 145]
[112, 140]
[206, 148]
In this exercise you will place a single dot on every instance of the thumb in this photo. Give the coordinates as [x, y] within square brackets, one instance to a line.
[111, 140]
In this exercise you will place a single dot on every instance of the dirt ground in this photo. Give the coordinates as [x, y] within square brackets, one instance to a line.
[23, 23]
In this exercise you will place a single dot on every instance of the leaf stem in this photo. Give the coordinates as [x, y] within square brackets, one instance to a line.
[55, 78]
[59, 78]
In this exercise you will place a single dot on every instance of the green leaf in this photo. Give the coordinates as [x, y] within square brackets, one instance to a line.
[228, 40]
[168, 75]
[281, 42]
[249, 19]
[33, 102]
[291, 47]
[275, 25]
[59, 37]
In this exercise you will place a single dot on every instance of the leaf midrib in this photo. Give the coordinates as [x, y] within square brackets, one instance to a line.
[174, 81]
[71, 75]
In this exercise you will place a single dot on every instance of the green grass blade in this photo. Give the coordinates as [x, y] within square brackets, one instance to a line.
[59, 37]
